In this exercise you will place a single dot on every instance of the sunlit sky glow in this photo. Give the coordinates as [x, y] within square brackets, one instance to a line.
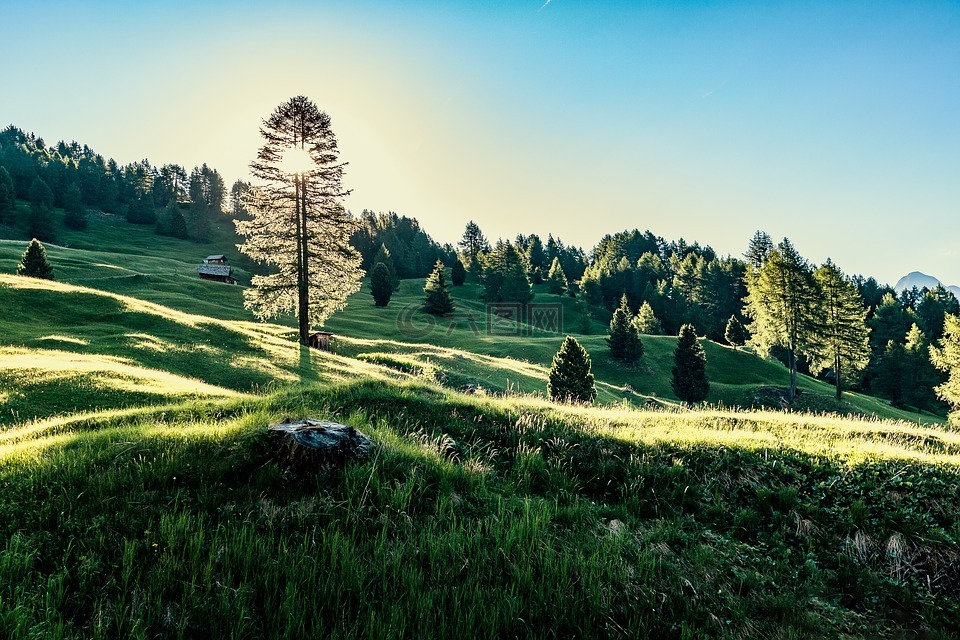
[836, 124]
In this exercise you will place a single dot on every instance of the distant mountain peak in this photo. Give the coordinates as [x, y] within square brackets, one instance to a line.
[920, 280]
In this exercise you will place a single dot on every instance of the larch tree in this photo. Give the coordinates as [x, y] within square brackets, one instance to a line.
[783, 303]
[946, 357]
[842, 342]
[298, 224]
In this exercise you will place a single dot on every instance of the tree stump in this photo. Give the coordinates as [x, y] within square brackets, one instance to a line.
[307, 445]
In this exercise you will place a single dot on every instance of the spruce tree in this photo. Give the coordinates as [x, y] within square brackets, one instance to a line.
[8, 196]
[735, 335]
[624, 340]
[458, 273]
[33, 262]
[646, 320]
[689, 379]
[75, 215]
[437, 297]
[571, 379]
[383, 257]
[381, 285]
[556, 278]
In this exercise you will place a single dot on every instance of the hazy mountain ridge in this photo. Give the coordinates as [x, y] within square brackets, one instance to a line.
[920, 280]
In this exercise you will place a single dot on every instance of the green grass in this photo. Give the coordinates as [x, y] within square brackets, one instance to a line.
[142, 497]
[478, 517]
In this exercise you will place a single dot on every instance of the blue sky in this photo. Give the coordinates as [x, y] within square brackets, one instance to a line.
[836, 124]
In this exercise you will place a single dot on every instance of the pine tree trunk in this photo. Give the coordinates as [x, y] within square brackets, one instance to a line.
[793, 374]
[303, 297]
[836, 369]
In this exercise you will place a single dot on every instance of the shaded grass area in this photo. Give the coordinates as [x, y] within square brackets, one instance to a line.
[478, 517]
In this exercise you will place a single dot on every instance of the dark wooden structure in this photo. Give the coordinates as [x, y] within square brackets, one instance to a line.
[320, 340]
[215, 268]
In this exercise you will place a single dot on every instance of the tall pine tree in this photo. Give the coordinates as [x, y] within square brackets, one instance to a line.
[381, 284]
[783, 302]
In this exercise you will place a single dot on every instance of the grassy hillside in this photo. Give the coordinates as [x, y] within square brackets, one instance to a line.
[125, 259]
[478, 517]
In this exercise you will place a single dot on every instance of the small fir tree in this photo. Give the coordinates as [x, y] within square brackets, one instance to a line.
[437, 300]
[689, 380]
[624, 341]
[458, 273]
[381, 285]
[735, 335]
[556, 278]
[33, 263]
[571, 379]
[646, 320]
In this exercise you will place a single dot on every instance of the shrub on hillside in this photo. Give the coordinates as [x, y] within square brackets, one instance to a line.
[571, 378]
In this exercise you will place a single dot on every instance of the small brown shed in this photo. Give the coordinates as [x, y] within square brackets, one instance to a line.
[216, 268]
[321, 340]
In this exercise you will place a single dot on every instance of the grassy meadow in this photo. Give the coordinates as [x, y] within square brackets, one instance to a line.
[142, 496]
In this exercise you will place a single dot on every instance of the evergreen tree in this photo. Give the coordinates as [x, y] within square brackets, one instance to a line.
[381, 284]
[33, 262]
[946, 357]
[142, 210]
[759, 249]
[556, 278]
[8, 196]
[473, 243]
[437, 297]
[646, 320]
[784, 303]
[689, 381]
[735, 335]
[504, 275]
[237, 194]
[298, 225]
[40, 193]
[41, 214]
[171, 222]
[842, 340]
[890, 380]
[383, 257]
[75, 214]
[919, 374]
[536, 259]
[458, 274]
[624, 340]
[571, 379]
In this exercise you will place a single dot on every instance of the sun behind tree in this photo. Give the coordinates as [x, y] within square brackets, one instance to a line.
[297, 221]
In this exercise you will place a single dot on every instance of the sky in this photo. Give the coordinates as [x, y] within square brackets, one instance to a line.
[836, 124]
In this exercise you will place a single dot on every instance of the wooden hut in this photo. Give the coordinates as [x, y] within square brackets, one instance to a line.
[320, 340]
[216, 268]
